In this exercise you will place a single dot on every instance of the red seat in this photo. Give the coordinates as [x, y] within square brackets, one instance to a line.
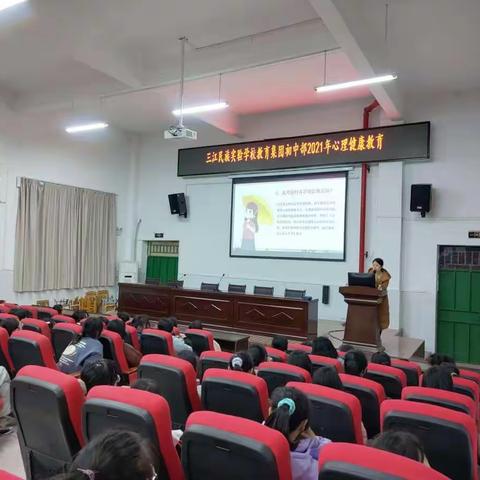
[132, 337]
[278, 374]
[31, 348]
[276, 355]
[8, 476]
[156, 341]
[5, 359]
[449, 438]
[321, 361]
[62, 319]
[412, 370]
[334, 414]
[62, 335]
[178, 384]
[8, 315]
[113, 349]
[212, 359]
[470, 375]
[46, 313]
[298, 346]
[442, 398]
[392, 379]
[47, 405]
[4, 308]
[235, 393]
[32, 310]
[39, 326]
[146, 413]
[370, 394]
[468, 387]
[344, 461]
[202, 340]
[214, 444]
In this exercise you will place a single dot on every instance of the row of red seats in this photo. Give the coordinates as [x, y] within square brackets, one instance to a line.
[215, 443]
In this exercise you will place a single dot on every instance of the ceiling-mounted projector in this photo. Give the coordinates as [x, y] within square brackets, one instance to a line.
[177, 131]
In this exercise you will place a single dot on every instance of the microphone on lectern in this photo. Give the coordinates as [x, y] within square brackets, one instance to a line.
[221, 278]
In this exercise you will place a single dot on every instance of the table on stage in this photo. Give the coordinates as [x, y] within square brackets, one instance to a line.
[242, 312]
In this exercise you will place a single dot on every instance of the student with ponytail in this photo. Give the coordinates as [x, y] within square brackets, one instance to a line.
[289, 415]
[241, 362]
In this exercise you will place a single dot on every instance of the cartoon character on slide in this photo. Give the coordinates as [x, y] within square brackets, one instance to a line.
[250, 226]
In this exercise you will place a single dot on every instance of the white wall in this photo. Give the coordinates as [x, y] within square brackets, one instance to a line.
[99, 161]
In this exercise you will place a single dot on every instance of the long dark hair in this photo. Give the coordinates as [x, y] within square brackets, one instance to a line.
[241, 362]
[253, 206]
[438, 377]
[355, 363]
[290, 408]
[92, 328]
[328, 377]
[323, 346]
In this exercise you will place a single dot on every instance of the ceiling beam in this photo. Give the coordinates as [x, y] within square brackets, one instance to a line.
[358, 28]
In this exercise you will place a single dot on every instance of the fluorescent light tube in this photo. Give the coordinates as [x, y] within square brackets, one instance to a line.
[355, 83]
[4, 4]
[201, 108]
[86, 128]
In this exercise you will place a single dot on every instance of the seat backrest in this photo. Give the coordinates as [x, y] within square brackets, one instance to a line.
[62, 319]
[209, 287]
[448, 437]
[32, 310]
[334, 414]
[370, 394]
[321, 361]
[214, 443]
[113, 348]
[344, 461]
[156, 341]
[468, 387]
[30, 348]
[8, 315]
[235, 393]
[442, 398]
[392, 379]
[276, 355]
[289, 293]
[268, 291]
[213, 359]
[233, 288]
[5, 359]
[47, 405]
[299, 346]
[470, 375]
[132, 337]
[62, 335]
[412, 370]
[178, 385]
[278, 374]
[38, 326]
[202, 340]
[143, 412]
[50, 311]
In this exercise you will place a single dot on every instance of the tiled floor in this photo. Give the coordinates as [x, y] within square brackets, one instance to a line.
[10, 456]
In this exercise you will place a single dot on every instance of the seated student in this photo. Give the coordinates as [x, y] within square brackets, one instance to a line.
[123, 316]
[58, 308]
[300, 359]
[190, 356]
[381, 358]
[10, 324]
[258, 354]
[197, 324]
[131, 353]
[328, 377]
[114, 455]
[101, 372]
[289, 414]
[402, 443]
[323, 346]
[355, 363]
[84, 349]
[439, 358]
[140, 322]
[20, 313]
[241, 362]
[345, 347]
[166, 325]
[280, 343]
[79, 315]
[438, 376]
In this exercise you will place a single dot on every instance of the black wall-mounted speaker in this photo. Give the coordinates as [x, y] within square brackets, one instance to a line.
[325, 294]
[420, 198]
[178, 204]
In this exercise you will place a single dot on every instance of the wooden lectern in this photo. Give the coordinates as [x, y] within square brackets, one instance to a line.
[362, 328]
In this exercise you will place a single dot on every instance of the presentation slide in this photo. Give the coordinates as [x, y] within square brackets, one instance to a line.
[296, 216]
